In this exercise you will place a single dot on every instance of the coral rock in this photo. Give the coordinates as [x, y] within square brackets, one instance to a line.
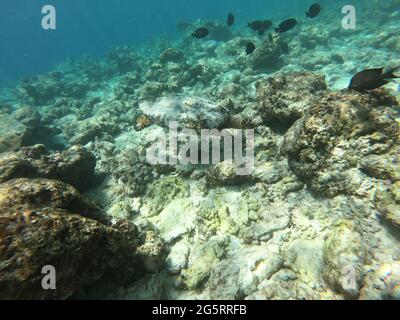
[268, 55]
[286, 97]
[74, 166]
[188, 112]
[171, 55]
[383, 283]
[36, 231]
[327, 147]
[344, 257]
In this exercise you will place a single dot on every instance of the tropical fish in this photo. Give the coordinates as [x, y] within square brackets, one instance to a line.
[260, 25]
[10, 142]
[371, 79]
[250, 48]
[200, 33]
[314, 11]
[286, 25]
[231, 20]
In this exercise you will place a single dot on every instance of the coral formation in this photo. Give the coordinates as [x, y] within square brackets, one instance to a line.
[342, 138]
[269, 55]
[41, 224]
[74, 166]
[285, 98]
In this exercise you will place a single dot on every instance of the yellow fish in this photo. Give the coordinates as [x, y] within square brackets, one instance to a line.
[10, 142]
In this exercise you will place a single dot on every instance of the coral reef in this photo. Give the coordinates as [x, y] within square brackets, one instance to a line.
[269, 54]
[285, 98]
[317, 218]
[41, 225]
[188, 112]
[344, 257]
[74, 166]
[342, 138]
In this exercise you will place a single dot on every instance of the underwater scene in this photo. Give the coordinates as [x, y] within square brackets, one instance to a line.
[200, 150]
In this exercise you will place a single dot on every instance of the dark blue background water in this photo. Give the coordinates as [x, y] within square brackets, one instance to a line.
[93, 26]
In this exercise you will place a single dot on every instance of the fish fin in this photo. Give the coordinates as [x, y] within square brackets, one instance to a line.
[276, 30]
[390, 73]
[307, 15]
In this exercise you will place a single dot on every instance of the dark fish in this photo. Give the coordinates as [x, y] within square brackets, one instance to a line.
[372, 79]
[250, 48]
[260, 26]
[314, 11]
[200, 33]
[286, 25]
[231, 20]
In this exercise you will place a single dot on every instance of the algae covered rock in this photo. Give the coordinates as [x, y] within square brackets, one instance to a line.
[175, 220]
[31, 194]
[177, 258]
[240, 274]
[344, 257]
[151, 251]
[327, 148]
[268, 55]
[45, 88]
[39, 226]
[201, 260]
[388, 204]
[75, 166]
[31, 240]
[286, 97]
[42, 88]
[83, 131]
[225, 173]
[188, 112]
[383, 283]
[164, 191]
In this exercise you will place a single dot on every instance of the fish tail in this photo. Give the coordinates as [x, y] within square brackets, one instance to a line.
[390, 73]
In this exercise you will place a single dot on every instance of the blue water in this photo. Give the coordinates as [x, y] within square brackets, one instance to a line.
[93, 26]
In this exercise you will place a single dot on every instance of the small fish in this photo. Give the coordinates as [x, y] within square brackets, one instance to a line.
[372, 79]
[10, 142]
[250, 48]
[314, 11]
[260, 25]
[231, 20]
[200, 33]
[286, 25]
